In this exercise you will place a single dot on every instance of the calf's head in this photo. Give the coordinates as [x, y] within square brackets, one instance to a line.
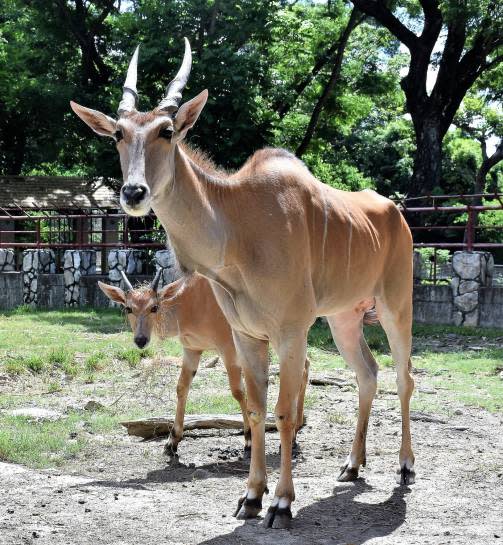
[143, 305]
[146, 141]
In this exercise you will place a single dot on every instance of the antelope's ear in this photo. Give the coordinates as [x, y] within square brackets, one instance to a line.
[113, 293]
[171, 291]
[188, 113]
[100, 123]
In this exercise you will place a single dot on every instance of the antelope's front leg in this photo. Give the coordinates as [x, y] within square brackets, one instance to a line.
[254, 357]
[292, 355]
[189, 368]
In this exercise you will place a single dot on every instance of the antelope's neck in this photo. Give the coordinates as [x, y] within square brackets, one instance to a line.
[190, 214]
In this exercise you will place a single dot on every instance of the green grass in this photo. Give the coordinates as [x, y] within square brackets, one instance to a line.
[48, 444]
[133, 355]
[59, 354]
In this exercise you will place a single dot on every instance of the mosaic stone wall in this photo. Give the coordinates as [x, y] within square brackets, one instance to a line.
[7, 263]
[471, 271]
[76, 263]
[166, 262]
[35, 262]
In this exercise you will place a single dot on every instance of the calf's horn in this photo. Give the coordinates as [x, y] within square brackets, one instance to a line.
[127, 283]
[155, 281]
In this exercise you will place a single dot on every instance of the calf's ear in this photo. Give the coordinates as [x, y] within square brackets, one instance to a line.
[113, 293]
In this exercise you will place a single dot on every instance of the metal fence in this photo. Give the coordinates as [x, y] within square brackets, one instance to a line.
[457, 218]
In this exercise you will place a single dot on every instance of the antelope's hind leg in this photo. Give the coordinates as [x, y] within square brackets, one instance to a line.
[190, 364]
[347, 331]
[396, 321]
[237, 390]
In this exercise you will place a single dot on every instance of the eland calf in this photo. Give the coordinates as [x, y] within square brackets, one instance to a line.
[186, 309]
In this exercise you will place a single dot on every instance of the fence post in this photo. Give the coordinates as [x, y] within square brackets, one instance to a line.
[165, 261]
[471, 272]
[76, 263]
[7, 263]
[35, 262]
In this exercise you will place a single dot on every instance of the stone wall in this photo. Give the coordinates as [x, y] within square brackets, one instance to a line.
[7, 260]
[491, 307]
[472, 271]
[433, 304]
[11, 290]
[468, 301]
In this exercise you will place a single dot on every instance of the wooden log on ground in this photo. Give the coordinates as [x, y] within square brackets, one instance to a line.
[159, 426]
[326, 380]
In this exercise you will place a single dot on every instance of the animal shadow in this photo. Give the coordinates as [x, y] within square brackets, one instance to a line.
[337, 519]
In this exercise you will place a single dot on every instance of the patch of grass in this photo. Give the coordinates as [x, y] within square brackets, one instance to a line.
[60, 356]
[38, 444]
[95, 362]
[19, 364]
[133, 356]
[339, 418]
[213, 404]
[54, 387]
[15, 366]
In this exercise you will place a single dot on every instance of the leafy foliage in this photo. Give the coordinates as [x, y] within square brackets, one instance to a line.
[265, 63]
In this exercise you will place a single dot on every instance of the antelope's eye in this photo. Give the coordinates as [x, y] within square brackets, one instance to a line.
[129, 310]
[166, 132]
[118, 135]
[154, 309]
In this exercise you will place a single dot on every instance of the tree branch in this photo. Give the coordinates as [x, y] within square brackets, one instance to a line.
[378, 10]
[313, 122]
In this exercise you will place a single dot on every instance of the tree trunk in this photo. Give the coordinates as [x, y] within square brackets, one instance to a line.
[428, 158]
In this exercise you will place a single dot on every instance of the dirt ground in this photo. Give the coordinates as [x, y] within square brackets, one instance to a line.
[122, 491]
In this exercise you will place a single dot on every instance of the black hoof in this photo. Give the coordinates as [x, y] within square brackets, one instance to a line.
[248, 509]
[347, 474]
[278, 518]
[170, 451]
[405, 476]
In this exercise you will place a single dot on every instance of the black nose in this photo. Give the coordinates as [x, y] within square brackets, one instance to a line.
[140, 341]
[133, 193]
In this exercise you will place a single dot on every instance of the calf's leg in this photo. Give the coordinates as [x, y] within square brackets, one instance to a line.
[190, 364]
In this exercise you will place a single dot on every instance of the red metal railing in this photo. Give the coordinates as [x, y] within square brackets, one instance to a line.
[63, 231]
[469, 229]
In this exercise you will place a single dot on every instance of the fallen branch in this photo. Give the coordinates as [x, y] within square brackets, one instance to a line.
[159, 426]
[322, 380]
[423, 417]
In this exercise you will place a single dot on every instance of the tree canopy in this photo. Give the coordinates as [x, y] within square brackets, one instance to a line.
[403, 96]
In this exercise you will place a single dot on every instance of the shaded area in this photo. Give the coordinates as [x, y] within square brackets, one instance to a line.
[340, 518]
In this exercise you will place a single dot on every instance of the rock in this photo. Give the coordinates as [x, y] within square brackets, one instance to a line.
[466, 286]
[467, 265]
[458, 412]
[93, 405]
[37, 414]
[472, 318]
[212, 363]
[467, 302]
[425, 390]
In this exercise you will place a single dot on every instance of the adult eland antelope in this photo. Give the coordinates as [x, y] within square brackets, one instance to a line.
[280, 248]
